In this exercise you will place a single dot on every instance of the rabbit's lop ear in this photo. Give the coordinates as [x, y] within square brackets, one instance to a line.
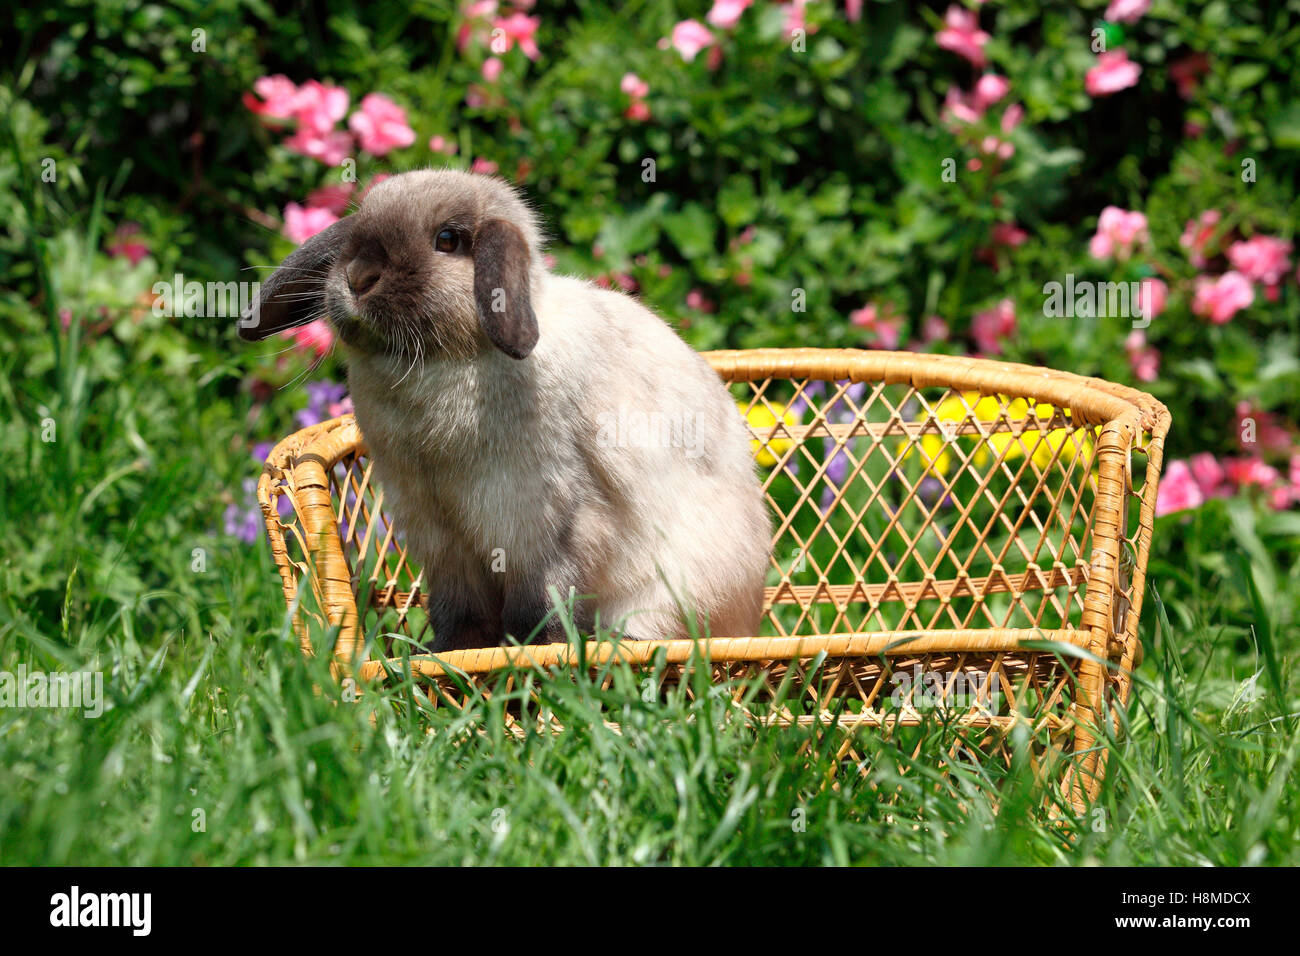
[295, 293]
[501, 287]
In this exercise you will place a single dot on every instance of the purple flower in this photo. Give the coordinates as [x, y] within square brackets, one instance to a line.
[929, 490]
[244, 521]
[813, 389]
[325, 393]
[325, 399]
[837, 471]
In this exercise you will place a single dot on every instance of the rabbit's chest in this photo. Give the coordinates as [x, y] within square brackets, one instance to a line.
[457, 465]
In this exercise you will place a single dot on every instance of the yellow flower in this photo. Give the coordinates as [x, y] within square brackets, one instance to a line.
[1070, 442]
[762, 419]
[936, 450]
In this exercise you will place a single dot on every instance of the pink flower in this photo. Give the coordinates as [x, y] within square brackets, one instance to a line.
[476, 13]
[314, 338]
[992, 145]
[380, 125]
[1251, 473]
[990, 88]
[330, 148]
[958, 106]
[933, 329]
[485, 166]
[1008, 234]
[1118, 231]
[853, 10]
[690, 37]
[796, 19]
[883, 326]
[318, 107]
[334, 198]
[492, 68]
[519, 28]
[440, 144]
[637, 111]
[301, 224]
[1142, 358]
[123, 244]
[1267, 434]
[634, 86]
[1178, 490]
[1261, 259]
[962, 35]
[279, 95]
[726, 13]
[1220, 299]
[1126, 11]
[990, 327]
[1012, 116]
[1211, 477]
[1114, 72]
[1003, 235]
[1152, 296]
[695, 300]
[1197, 235]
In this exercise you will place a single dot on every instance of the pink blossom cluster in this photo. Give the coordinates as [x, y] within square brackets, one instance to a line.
[962, 110]
[1260, 259]
[993, 326]
[1189, 484]
[1113, 72]
[499, 30]
[636, 90]
[961, 34]
[1121, 235]
[379, 125]
[1126, 11]
[690, 38]
[487, 24]
[1263, 438]
[883, 326]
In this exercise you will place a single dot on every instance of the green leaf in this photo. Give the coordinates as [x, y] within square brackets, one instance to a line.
[692, 230]
[1245, 75]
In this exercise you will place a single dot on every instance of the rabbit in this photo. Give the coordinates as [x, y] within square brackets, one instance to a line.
[535, 436]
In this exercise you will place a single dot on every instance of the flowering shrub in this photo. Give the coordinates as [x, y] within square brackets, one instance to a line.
[782, 173]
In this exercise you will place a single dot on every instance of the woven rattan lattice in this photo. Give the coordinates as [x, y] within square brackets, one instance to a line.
[941, 527]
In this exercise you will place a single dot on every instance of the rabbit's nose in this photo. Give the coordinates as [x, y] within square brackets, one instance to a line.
[362, 275]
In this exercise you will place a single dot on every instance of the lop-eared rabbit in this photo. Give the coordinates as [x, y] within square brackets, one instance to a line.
[534, 435]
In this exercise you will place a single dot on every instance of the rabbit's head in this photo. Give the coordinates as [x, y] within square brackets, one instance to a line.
[436, 262]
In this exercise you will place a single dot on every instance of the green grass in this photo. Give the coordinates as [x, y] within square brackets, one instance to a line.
[213, 708]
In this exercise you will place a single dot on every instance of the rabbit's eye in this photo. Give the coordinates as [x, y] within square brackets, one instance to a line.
[447, 240]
